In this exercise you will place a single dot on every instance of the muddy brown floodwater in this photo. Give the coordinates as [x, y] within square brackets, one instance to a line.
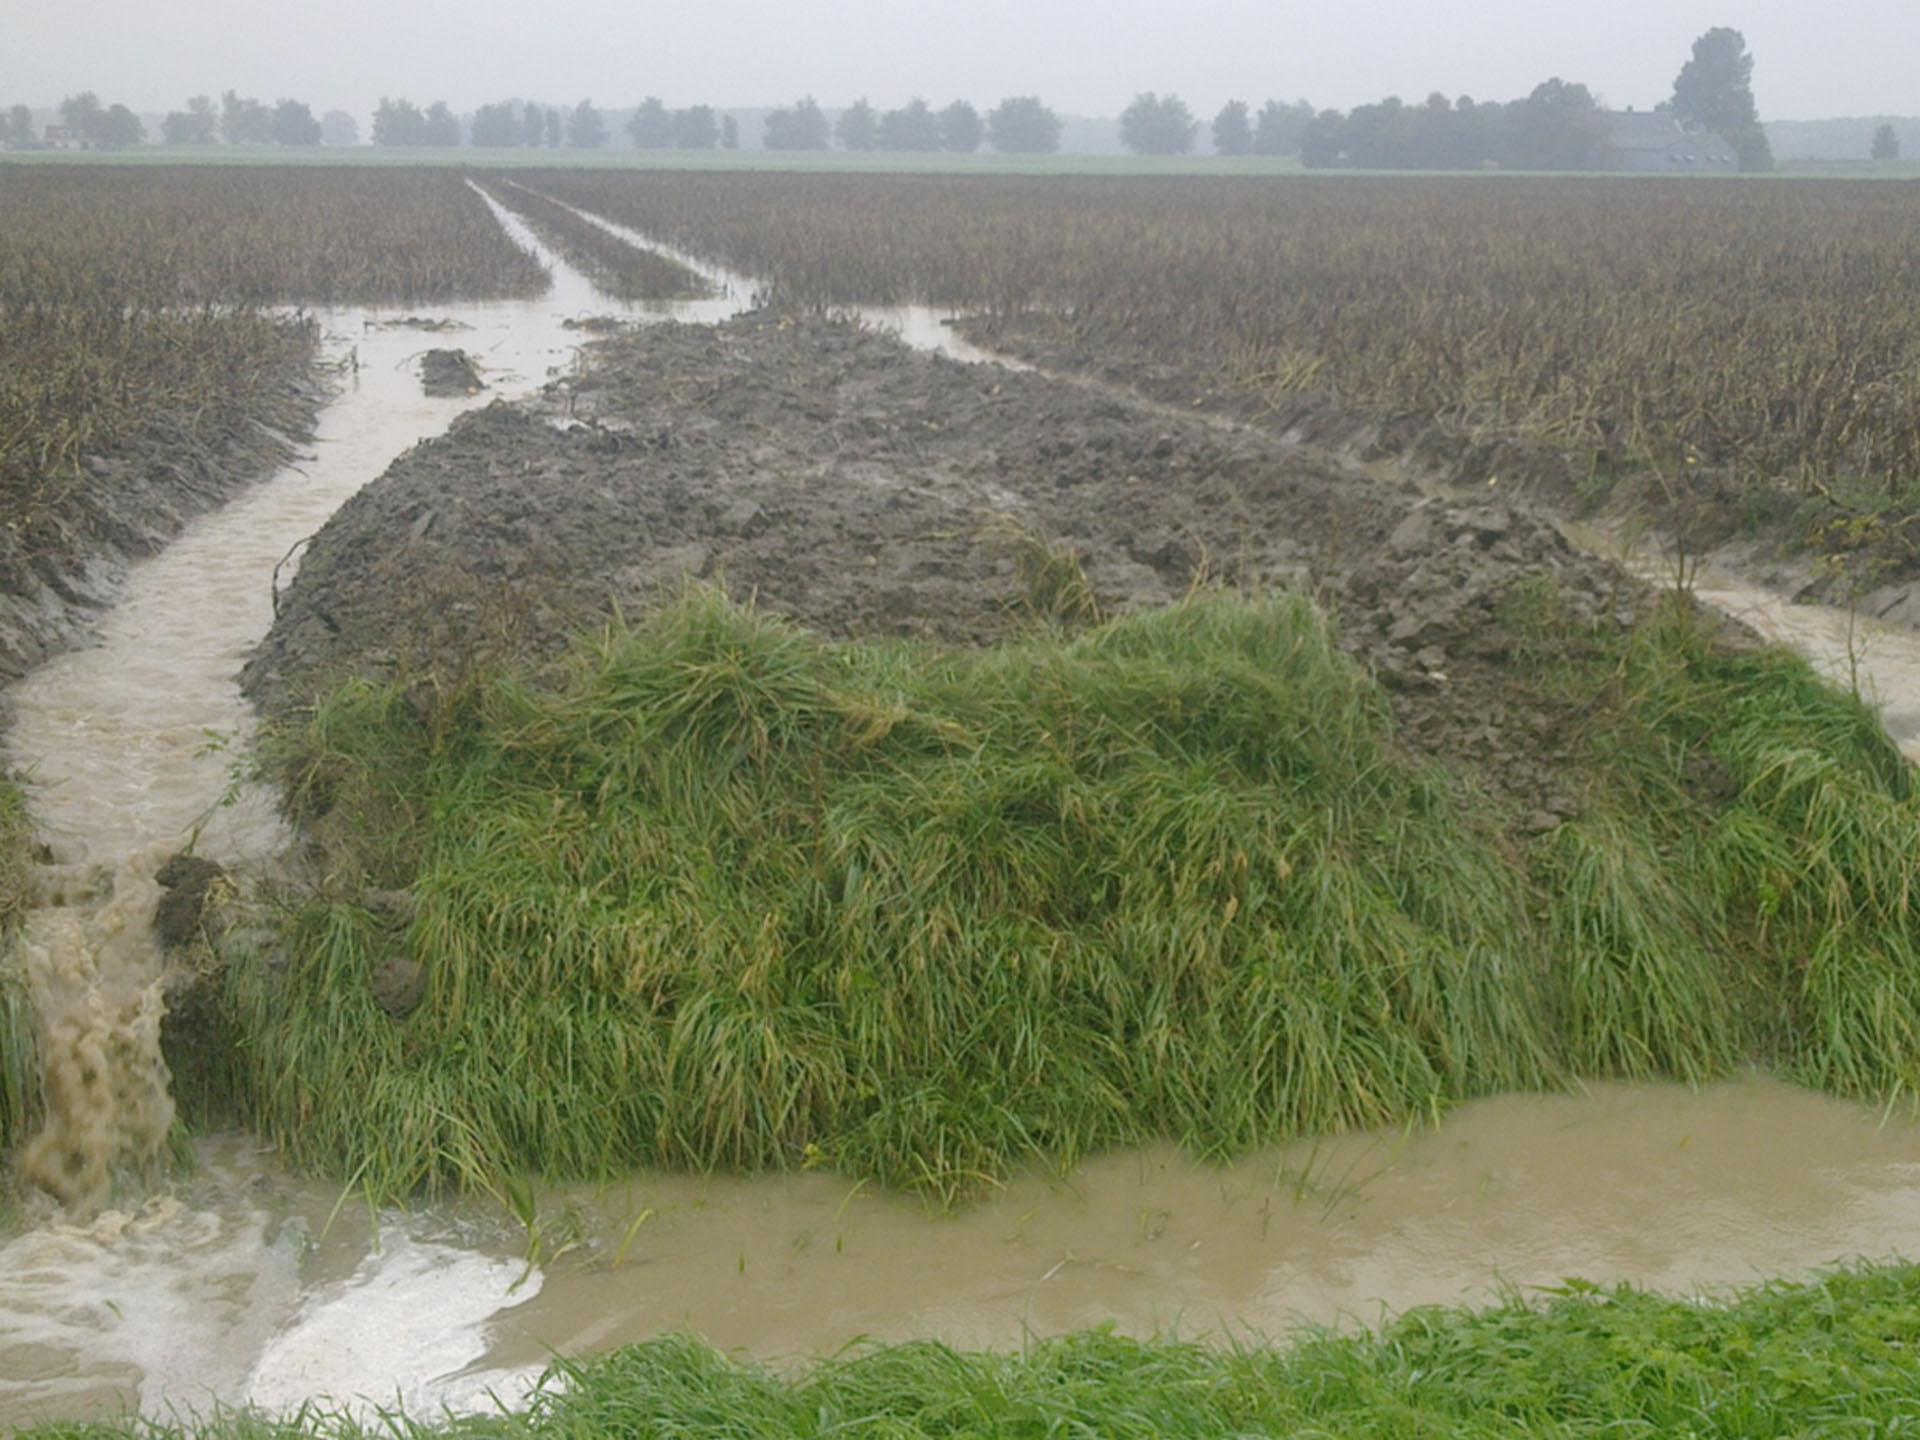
[853, 478]
[251, 1285]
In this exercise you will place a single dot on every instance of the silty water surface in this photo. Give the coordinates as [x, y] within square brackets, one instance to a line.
[249, 1285]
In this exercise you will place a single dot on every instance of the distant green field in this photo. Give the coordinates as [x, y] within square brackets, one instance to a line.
[844, 162]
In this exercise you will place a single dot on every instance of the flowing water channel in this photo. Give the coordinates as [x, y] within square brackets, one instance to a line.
[244, 1284]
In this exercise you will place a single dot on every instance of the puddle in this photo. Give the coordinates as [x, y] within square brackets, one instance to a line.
[208, 1297]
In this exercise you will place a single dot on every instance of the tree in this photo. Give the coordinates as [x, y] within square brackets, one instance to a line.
[244, 120]
[495, 127]
[585, 129]
[1278, 128]
[119, 126]
[96, 124]
[1232, 131]
[1558, 127]
[398, 122]
[1323, 140]
[440, 125]
[695, 128]
[1886, 144]
[1714, 90]
[650, 127]
[293, 124]
[1152, 126]
[82, 114]
[1021, 125]
[198, 124]
[858, 127]
[533, 125]
[961, 129]
[19, 125]
[337, 127]
[729, 133]
[553, 129]
[802, 126]
[913, 127]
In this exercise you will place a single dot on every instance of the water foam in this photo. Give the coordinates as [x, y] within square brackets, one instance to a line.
[405, 1331]
[94, 974]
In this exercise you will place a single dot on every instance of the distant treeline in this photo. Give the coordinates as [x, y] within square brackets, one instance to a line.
[236, 120]
[1560, 126]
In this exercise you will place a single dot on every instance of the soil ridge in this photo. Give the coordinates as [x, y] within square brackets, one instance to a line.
[67, 544]
[867, 490]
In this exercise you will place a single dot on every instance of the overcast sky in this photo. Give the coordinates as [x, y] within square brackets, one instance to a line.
[1083, 57]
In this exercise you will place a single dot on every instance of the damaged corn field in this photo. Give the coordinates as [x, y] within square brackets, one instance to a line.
[716, 888]
[762, 746]
[1756, 340]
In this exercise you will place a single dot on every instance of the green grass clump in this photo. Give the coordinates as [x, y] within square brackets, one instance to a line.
[728, 895]
[1832, 1356]
[731, 895]
[1740, 881]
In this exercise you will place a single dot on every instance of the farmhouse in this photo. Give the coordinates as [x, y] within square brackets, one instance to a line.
[1655, 140]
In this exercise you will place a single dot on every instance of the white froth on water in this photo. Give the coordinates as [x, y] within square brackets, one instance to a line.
[405, 1331]
[164, 1306]
[131, 748]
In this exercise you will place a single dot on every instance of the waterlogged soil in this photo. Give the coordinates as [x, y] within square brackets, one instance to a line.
[69, 535]
[1811, 548]
[867, 490]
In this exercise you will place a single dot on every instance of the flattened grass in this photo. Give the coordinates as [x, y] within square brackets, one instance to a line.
[728, 895]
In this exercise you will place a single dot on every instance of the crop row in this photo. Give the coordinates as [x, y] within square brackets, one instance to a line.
[615, 267]
[1771, 330]
[251, 236]
[128, 297]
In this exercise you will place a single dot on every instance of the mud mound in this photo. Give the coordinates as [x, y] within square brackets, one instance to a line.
[449, 372]
[868, 490]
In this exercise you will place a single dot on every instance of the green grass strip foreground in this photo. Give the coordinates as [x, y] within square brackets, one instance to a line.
[727, 895]
[1838, 1356]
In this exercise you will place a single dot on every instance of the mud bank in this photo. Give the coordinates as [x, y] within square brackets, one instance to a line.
[867, 490]
[1810, 547]
[69, 538]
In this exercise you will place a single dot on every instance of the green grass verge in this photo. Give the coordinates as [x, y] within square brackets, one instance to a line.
[734, 896]
[1839, 1355]
[727, 895]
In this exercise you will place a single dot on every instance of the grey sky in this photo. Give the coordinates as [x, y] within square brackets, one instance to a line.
[1846, 57]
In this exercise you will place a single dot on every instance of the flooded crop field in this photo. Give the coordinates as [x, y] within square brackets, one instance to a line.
[591, 780]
